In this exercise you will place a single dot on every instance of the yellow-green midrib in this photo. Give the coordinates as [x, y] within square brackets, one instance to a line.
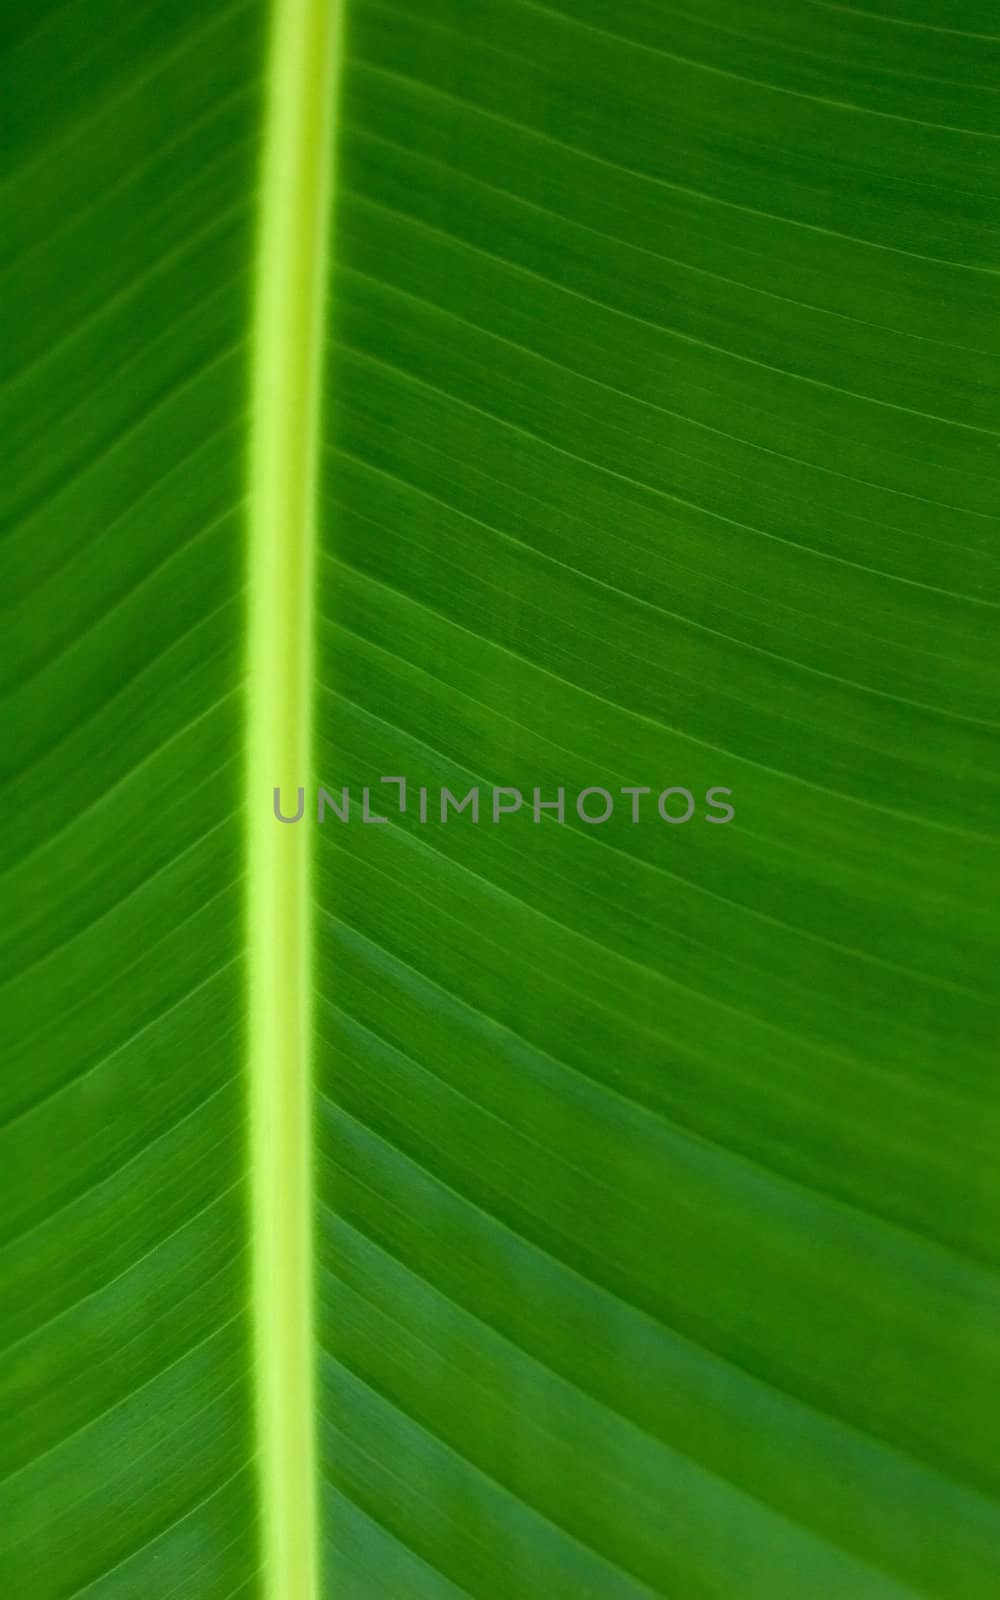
[294, 215]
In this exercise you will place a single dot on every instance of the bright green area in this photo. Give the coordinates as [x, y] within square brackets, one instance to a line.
[657, 1203]
[290, 298]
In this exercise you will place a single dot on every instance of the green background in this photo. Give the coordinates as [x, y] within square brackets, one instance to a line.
[658, 1201]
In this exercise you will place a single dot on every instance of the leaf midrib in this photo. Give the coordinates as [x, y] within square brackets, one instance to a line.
[294, 209]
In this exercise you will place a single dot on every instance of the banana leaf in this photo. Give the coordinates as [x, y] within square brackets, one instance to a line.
[591, 402]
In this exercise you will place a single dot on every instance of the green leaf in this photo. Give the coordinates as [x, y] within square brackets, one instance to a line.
[558, 396]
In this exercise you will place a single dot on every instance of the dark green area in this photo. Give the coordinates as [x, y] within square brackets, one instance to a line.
[659, 1192]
